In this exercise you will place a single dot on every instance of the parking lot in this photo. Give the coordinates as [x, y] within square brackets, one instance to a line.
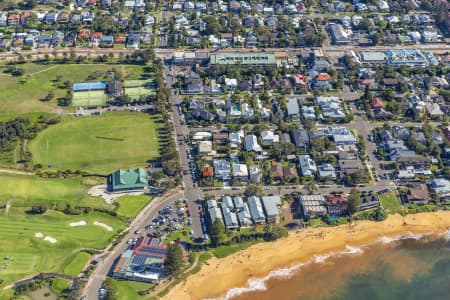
[173, 217]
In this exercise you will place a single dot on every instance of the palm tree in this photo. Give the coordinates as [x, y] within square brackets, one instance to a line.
[311, 187]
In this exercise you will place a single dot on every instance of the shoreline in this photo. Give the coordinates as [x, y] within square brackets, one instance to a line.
[234, 271]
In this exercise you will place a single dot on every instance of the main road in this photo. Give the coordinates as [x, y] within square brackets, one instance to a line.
[143, 218]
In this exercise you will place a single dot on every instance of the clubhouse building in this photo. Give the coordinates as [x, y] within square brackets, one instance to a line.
[127, 180]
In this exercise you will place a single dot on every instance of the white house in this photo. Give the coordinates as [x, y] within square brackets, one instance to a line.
[307, 165]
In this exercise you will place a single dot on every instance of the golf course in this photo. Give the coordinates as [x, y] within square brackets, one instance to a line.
[98, 144]
[34, 243]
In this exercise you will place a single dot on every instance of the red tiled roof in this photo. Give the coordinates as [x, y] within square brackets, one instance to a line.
[323, 77]
[208, 171]
[84, 33]
[97, 35]
[376, 103]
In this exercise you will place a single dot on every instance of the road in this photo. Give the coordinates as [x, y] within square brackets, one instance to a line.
[181, 131]
[143, 218]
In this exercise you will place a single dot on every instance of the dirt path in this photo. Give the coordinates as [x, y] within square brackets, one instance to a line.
[9, 171]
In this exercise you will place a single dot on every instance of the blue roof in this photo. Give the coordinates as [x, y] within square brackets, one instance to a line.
[86, 86]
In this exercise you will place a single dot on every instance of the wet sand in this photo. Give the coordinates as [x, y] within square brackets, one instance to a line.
[220, 275]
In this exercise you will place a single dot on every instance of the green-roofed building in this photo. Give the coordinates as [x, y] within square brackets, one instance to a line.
[125, 180]
[243, 58]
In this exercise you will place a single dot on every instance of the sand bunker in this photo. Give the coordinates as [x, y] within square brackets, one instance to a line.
[39, 235]
[79, 223]
[50, 239]
[107, 227]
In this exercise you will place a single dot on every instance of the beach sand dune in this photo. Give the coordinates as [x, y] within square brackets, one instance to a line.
[105, 226]
[79, 223]
[220, 275]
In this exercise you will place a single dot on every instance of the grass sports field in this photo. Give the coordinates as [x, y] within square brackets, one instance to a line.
[77, 264]
[23, 94]
[135, 92]
[26, 191]
[128, 290]
[24, 249]
[98, 144]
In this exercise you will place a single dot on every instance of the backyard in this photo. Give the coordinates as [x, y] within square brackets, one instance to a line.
[99, 144]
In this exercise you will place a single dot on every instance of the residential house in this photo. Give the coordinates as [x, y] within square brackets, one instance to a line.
[336, 205]
[301, 138]
[369, 201]
[418, 194]
[256, 210]
[327, 171]
[214, 211]
[441, 187]
[222, 169]
[271, 206]
[307, 165]
[322, 81]
[220, 138]
[254, 173]
[228, 212]
[276, 171]
[293, 109]
[290, 173]
[204, 148]
[269, 138]
[418, 162]
[350, 166]
[242, 211]
[236, 139]
[251, 143]
[240, 171]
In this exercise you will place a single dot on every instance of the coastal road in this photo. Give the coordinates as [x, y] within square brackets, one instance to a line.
[143, 218]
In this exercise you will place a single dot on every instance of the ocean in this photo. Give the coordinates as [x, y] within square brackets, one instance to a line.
[406, 268]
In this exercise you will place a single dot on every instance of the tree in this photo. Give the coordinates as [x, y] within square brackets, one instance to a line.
[217, 232]
[174, 260]
[311, 187]
[273, 232]
[353, 201]
[253, 190]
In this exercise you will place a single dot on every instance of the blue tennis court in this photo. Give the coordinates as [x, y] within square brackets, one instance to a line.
[89, 86]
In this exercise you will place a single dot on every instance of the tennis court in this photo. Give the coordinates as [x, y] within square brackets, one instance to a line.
[91, 98]
[89, 86]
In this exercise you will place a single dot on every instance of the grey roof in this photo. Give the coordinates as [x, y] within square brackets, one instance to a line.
[227, 202]
[230, 218]
[256, 209]
[292, 107]
[271, 204]
[301, 137]
[243, 213]
[215, 213]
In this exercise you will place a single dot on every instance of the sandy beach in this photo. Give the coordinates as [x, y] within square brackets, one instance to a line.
[220, 275]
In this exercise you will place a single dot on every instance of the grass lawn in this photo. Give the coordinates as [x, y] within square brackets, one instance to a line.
[23, 94]
[389, 201]
[77, 264]
[60, 284]
[128, 290]
[224, 251]
[26, 191]
[99, 143]
[23, 253]
[129, 206]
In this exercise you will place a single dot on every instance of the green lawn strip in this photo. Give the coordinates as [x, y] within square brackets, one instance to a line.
[23, 94]
[22, 253]
[99, 144]
[129, 206]
[77, 264]
[60, 284]
[26, 191]
[389, 201]
[223, 251]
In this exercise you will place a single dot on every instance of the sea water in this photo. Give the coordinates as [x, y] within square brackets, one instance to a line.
[408, 268]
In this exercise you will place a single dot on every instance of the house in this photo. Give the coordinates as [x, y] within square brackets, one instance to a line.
[207, 172]
[418, 194]
[214, 211]
[220, 138]
[269, 138]
[307, 165]
[271, 206]
[240, 171]
[322, 81]
[381, 114]
[327, 171]
[293, 109]
[127, 180]
[258, 82]
[418, 162]
[290, 173]
[245, 85]
[308, 112]
[251, 143]
[301, 138]
[285, 138]
[312, 206]
[204, 148]
[330, 106]
[133, 41]
[242, 211]
[276, 172]
[51, 18]
[236, 139]
[376, 103]
[254, 173]
[256, 210]
[231, 83]
[441, 187]
[350, 166]
[336, 205]
[228, 212]
[339, 35]
[222, 169]
[369, 202]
